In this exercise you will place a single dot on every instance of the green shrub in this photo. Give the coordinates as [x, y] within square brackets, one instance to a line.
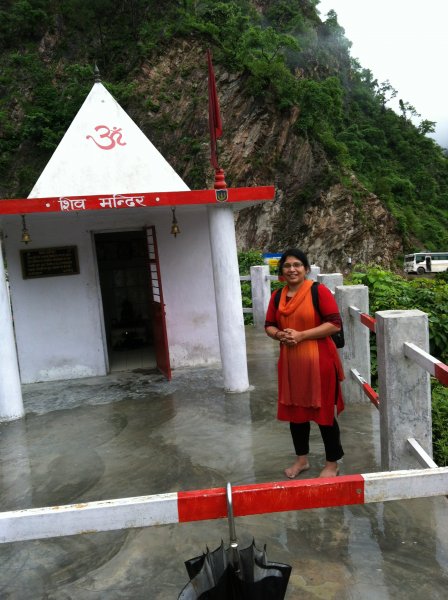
[440, 423]
[246, 260]
[388, 291]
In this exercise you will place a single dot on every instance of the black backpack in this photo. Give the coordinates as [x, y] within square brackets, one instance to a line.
[338, 337]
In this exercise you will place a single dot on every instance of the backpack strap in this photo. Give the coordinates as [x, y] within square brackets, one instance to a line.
[315, 296]
[278, 293]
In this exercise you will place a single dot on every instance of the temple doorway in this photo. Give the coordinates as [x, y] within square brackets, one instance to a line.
[127, 299]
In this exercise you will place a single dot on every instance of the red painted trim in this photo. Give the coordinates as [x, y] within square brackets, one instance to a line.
[371, 394]
[136, 200]
[272, 497]
[441, 373]
[368, 321]
[201, 505]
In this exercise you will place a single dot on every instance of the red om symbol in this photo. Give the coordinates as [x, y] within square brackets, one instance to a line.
[113, 137]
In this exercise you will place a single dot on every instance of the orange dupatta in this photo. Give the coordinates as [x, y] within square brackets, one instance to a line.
[299, 373]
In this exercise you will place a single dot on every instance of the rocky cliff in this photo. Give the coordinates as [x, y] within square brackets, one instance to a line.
[261, 146]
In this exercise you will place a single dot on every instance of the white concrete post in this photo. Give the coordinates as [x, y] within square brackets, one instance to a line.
[11, 403]
[331, 280]
[356, 352]
[404, 387]
[314, 272]
[261, 293]
[232, 338]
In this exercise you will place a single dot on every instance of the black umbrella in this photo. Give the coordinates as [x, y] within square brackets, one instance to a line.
[232, 573]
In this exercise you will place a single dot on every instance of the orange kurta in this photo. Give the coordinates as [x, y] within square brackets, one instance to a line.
[309, 374]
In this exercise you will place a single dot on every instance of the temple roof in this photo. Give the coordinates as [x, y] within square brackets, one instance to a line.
[105, 152]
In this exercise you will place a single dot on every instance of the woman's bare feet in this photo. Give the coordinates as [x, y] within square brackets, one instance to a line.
[331, 469]
[300, 465]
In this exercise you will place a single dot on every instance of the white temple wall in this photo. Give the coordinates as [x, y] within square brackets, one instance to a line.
[58, 320]
[189, 294]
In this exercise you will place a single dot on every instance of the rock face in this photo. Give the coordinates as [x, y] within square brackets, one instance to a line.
[331, 229]
[338, 227]
[332, 223]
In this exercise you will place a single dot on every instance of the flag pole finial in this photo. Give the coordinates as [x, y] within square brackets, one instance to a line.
[220, 182]
[96, 73]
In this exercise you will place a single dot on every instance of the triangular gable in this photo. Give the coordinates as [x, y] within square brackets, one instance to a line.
[104, 152]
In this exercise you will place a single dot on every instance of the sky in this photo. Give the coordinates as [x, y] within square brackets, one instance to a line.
[406, 42]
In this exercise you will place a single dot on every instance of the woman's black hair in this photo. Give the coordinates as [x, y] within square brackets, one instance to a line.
[297, 254]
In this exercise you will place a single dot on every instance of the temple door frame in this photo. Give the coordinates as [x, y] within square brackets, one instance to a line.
[157, 305]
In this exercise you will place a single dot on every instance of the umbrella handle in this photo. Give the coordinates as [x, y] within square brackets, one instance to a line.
[232, 532]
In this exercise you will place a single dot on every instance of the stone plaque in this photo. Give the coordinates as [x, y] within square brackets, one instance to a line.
[49, 262]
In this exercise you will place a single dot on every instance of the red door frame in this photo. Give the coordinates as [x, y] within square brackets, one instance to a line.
[157, 305]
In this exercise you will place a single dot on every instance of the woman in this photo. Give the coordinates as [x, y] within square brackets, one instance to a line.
[309, 368]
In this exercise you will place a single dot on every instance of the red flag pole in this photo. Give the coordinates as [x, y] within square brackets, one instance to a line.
[215, 124]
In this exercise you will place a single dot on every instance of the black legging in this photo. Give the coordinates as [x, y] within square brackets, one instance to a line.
[330, 435]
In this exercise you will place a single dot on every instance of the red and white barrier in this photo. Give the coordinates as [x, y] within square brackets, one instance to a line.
[365, 319]
[368, 389]
[435, 367]
[200, 505]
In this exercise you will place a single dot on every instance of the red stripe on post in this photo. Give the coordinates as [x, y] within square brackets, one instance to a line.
[371, 394]
[272, 497]
[368, 321]
[441, 373]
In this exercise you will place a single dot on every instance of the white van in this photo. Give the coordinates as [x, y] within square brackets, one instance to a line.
[426, 262]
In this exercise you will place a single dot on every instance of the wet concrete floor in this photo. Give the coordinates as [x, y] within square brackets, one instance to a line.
[132, 434]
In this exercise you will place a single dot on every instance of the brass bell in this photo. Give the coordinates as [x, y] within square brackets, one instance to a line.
[26, 238]
[175, 229]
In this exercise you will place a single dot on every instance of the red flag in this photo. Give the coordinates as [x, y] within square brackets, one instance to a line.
[214, 116]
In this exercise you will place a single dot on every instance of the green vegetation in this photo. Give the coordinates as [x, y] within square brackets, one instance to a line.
[388, 291]
[246, 260]
[440, 423]
[286, 57]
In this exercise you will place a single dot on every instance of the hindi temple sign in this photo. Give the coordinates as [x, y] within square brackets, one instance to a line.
[67, 204]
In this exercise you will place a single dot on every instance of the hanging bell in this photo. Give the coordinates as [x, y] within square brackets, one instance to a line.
[175, 229]
[26, 238]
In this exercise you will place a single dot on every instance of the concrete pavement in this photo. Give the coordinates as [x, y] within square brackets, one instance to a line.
[131, 434]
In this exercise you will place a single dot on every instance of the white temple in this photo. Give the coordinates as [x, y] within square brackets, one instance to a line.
[103, 285]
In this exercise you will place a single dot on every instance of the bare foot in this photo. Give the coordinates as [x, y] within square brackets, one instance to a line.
[331, 469]
[298, 467]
